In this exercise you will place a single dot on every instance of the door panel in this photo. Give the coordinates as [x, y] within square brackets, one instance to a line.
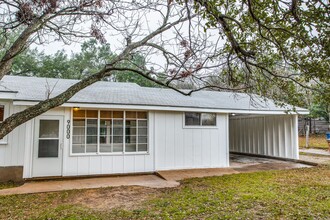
[47, 152]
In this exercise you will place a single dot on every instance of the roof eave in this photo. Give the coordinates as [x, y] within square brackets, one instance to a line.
[8, 95]
[168, 108]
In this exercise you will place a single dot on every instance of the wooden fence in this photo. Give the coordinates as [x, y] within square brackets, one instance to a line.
[316, 126]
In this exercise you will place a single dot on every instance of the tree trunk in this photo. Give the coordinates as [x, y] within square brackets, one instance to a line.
[19, 118]
[17, 47]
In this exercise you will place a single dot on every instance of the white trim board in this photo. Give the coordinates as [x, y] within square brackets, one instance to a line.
[168, 108]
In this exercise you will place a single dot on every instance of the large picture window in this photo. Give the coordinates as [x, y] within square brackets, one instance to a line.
[100, 131]
[200, 119]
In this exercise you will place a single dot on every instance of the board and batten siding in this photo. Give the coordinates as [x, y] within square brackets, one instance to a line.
[265, 135]
[12, 147]
[180, 147]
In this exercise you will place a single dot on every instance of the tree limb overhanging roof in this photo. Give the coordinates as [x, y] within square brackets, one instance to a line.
[37, 89]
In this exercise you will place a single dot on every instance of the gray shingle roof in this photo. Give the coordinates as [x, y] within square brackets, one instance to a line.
[35, 89]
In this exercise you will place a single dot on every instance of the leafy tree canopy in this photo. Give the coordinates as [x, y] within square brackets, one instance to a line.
[91, 57]
[278, 49]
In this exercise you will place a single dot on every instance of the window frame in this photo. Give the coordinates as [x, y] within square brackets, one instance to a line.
[58, 138]
[4, 141]
[200, 126]
[98, 153]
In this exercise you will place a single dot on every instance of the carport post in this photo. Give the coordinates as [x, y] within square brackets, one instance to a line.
[307, 136]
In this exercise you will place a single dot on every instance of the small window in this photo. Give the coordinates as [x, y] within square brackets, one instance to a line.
[200, 119]
[193, 118]
[209, 119]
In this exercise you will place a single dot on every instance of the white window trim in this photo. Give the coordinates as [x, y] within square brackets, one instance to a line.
[184, 126]
[4, 141]
[98, 147]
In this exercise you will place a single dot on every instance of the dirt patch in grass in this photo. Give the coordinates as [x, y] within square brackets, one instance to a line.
[118, 197]
[315, 141]
[89, 204]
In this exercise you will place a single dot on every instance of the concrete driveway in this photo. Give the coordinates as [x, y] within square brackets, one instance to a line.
[163, 179]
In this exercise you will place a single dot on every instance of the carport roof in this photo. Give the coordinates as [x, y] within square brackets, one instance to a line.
[100, 93]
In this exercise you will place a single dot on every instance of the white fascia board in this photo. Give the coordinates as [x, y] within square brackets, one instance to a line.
[165, 108]
[8, 95]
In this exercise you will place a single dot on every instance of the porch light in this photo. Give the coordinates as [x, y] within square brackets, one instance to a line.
[232, 114]
[76, 108]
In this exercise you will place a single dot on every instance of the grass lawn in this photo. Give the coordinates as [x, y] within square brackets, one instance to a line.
[286, 194]
[315, 141]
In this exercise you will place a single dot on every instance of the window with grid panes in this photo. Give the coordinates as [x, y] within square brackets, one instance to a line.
[109, 131]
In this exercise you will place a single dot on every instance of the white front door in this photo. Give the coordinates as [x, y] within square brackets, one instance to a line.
[48, 144]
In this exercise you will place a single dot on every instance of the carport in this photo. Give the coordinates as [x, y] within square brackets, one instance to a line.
[264, 134]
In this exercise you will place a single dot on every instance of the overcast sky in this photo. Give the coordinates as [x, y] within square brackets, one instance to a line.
[148, 22]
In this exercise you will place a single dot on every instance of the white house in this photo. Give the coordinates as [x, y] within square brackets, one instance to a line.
[116, 128]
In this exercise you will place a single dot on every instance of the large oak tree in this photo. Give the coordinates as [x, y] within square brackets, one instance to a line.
[272, 48]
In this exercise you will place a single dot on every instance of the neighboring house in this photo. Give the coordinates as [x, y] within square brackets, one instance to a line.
[116, 128]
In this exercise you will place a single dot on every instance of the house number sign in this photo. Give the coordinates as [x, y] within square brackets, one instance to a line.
[68, 129]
